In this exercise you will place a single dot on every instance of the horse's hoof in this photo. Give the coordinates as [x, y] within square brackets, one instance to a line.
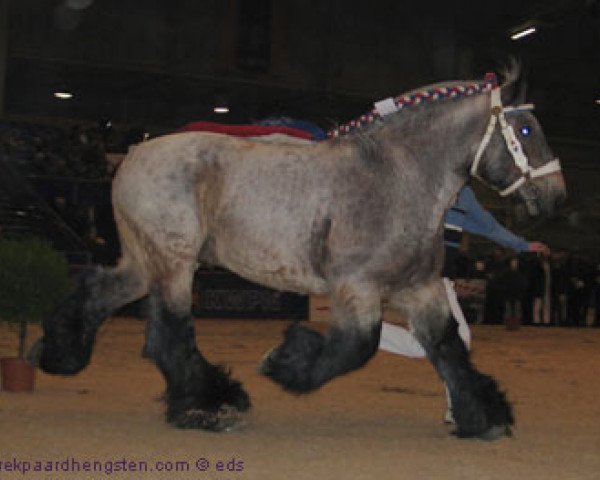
[57, 362]
[290, 364]
[264, 367]
[34, 354]
[449, 418]
[226, 419]
[237, 398]
[495, 432]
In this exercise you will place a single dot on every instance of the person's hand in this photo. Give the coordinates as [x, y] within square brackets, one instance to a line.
[539, 247]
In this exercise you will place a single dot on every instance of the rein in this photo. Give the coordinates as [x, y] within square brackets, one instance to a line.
[513, 144]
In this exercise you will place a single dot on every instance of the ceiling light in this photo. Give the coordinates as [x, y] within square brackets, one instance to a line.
[523, 32]
[63, 95]
[598, 101]
[221, 103]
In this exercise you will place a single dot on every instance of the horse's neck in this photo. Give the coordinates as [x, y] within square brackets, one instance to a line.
[445, 141]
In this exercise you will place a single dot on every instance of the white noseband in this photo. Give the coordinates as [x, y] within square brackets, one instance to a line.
[512, 143]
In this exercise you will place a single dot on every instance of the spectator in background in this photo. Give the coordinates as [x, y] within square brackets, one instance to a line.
[595, 304]
[512, 286]
[558, 287]
[579, 290]
[536, 306]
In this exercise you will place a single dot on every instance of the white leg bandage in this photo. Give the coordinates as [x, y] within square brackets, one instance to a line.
[398, 340]
[457, 313]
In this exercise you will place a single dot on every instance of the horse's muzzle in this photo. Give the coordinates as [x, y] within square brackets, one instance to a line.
[543, 196]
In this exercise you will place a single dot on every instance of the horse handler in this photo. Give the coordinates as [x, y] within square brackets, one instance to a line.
[465, 215]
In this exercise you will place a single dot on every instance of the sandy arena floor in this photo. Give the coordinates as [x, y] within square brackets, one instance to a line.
[381, 422]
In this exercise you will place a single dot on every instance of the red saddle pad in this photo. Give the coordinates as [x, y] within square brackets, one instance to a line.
[244, 130]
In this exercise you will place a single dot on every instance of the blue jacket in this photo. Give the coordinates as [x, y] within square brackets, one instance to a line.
[469, 216]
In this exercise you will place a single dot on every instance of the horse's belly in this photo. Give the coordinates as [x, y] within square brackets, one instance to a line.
[265, 268]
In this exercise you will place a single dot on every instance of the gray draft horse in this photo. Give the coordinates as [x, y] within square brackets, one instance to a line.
[358, 216]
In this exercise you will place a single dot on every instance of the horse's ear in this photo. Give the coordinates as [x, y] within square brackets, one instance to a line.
[514, 86]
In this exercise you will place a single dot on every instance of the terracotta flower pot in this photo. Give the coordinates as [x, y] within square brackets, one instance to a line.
[17, 375]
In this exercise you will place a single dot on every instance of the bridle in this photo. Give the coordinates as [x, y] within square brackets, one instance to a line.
[513, 144]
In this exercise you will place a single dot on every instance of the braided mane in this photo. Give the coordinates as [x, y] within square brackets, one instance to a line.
[427, 94]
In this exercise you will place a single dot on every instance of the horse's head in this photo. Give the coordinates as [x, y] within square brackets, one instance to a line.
[514, 156]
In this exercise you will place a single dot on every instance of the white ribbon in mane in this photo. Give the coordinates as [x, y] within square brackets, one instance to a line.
[513, 144]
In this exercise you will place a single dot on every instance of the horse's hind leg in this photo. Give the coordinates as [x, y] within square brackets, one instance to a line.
[306, 359]
[69, 332]
[480, 409]
[199, 394]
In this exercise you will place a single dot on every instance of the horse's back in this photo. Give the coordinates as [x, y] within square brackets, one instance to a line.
[246, 200]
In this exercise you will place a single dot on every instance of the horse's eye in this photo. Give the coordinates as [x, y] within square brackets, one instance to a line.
[525, 130]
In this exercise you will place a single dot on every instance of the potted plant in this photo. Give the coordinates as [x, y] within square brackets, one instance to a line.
[33, 279]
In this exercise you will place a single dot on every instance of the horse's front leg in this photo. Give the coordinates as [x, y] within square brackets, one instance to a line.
[199, 394]
[306, 359]
[479, 408]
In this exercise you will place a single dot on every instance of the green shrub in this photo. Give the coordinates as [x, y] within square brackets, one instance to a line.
[33, 280]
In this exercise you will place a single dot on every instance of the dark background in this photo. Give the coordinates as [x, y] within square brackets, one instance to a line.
[150, 65]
